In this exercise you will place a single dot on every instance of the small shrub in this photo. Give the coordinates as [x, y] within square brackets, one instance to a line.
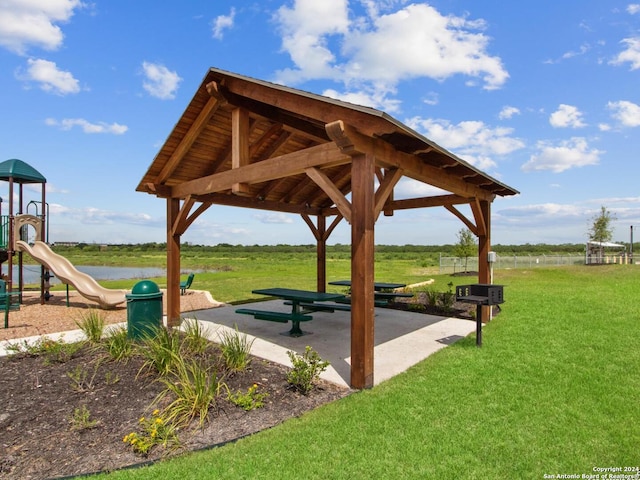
[195, 389]
[448, 298]
[195, 337]
[306, 369]
[81, 419]
[154, 431]
[118, 344]
[236, 350]
[248, 400]
[92, 325]
[432, 297]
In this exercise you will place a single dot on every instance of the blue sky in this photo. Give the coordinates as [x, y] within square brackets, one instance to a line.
[541, 95]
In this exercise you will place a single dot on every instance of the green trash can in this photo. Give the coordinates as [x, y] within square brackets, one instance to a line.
[144, 310]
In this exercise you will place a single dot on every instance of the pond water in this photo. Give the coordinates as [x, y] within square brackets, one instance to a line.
[32, 273]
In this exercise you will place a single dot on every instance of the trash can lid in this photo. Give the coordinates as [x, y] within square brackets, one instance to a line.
[145, 287]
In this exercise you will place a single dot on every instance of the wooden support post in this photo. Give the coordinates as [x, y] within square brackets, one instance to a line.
[362, 270]
[321, 254]
[240, 145]
[173, 264]
[484, 247]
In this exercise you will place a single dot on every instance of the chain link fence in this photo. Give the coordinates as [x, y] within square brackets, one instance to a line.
[449, 265]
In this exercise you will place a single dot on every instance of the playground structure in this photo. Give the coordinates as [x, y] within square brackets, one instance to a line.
[16, 229]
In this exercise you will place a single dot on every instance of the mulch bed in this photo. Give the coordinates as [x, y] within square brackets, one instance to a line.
[39, 398]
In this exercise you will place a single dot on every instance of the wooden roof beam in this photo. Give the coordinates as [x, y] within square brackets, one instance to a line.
[352, 142]
[294, 163]
[427, 202]
[256, 203]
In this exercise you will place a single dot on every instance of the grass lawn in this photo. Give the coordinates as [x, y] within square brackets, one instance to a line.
[554, 390]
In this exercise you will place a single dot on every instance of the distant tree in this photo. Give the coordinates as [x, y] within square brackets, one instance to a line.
[466, 246]
[601, 229]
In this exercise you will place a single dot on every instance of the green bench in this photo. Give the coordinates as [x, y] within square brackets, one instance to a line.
[186, 283]
[323, 307]
[390, 296]
[280, 317]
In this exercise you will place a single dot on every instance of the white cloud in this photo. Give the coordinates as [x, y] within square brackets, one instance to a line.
[26, 23]
[49, 77]
[474, 141]
[630, 54]
[368, 97]
[86, 126]
[573, 53]
[273, 217]
[160, 82]
[410, 188]
[627, 113]
[633, 8]
[222, 23]
[508, 112]
[558, 158]
[567, 116]
[381, 50]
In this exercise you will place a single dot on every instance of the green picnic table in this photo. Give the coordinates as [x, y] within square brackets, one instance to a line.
[295, 298]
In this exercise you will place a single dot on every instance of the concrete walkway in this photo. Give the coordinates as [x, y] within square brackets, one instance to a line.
[402, 339]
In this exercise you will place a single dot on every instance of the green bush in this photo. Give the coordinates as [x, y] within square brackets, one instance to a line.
[306, 369]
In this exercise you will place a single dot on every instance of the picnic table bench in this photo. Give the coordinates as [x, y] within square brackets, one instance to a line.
[293, 297]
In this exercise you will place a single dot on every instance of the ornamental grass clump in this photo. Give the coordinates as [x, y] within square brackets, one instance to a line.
[161, 349]
[92, 325]
[118, 344]
[195, 337]
[236, 350]
[194, 389]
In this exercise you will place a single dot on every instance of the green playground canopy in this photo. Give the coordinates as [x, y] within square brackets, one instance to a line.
[20, 171]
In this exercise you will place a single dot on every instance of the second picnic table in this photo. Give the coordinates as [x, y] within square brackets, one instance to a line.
[382, 295]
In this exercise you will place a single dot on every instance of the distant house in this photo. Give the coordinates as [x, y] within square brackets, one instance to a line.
[605, 252]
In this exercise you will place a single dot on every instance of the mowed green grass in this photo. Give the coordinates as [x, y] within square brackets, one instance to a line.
[554, 390]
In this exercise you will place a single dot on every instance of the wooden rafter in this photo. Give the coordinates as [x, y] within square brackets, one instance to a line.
[190, 137]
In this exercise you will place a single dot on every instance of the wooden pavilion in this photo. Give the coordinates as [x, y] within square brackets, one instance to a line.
[249, 143]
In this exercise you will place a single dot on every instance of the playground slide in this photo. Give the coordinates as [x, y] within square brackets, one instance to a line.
[67, 273]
